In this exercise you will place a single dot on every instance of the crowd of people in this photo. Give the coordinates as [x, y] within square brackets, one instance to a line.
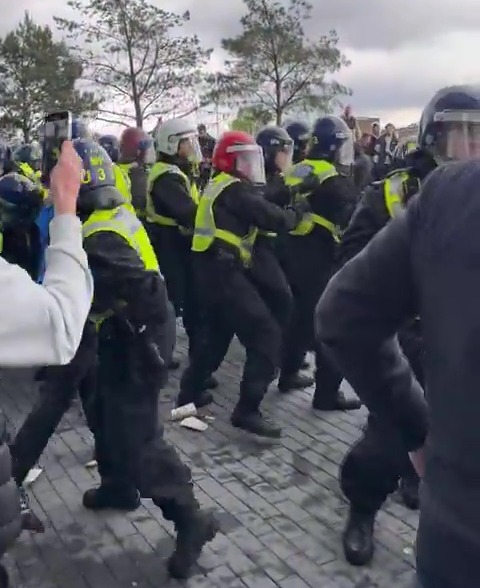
[273, 239]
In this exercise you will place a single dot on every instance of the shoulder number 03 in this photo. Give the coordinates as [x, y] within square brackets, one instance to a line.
[87, 175]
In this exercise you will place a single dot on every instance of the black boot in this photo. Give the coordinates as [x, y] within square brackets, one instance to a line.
[30, 521]
[358, 537]
[199, 400]
[211, 383]
[174, 364]
[192, 534]
[328, 402]
[408, 490]
[112, 497]
[294, 382]
[253, 422]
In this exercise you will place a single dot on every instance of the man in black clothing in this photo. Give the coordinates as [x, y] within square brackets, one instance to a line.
[310, 253]
[425, 262]
[373, 466]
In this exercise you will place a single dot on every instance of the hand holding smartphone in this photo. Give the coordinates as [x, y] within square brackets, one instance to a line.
[57, 129]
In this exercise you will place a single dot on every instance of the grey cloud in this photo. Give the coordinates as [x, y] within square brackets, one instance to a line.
[365, 24]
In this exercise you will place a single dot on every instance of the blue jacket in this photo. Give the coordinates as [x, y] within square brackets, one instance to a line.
[43, 222]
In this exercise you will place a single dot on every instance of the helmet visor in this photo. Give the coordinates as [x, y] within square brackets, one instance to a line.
[346, 152]
[459, 135]
[249, 162]
[191, 148]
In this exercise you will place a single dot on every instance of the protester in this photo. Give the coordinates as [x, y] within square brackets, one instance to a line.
[43, 324]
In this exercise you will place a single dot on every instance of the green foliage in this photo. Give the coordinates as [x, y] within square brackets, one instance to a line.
[37, 75]
[133, 54]
[251, 119]
[274, 67]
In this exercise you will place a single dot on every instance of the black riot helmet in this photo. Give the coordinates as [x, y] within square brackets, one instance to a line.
[332, 141]
[300, 134]
[111, 145]
[98, 182]
[450, 124]
[275, 140]
[20, 201]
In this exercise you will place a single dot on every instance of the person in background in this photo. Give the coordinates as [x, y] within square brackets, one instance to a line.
[384, 151]
[351, 122]
[362, 166]
[135, 159]
[425, 262]
[207, 145]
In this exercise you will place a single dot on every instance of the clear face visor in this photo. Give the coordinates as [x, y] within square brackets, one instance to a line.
[459, 135]
[284, 157]
[249, 162]
[346, 152]
[190, 148]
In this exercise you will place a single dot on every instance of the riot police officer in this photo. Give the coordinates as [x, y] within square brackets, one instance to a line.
[172, 198]
[311, 251]
[266, 272]
[230, 212]
[132, 316]
[299, 132]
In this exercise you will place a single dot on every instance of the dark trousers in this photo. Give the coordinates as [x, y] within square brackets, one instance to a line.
[300, 338]
[233, 306]
[55, 397]
[129, 445]
[373, 466]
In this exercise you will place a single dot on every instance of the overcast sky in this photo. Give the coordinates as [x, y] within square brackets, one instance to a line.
[401, 52]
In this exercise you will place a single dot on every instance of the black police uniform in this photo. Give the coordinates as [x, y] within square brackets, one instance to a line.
[234, 306]
[424, 263]
[266, 272]
[131, 312]
[373, 466]
[172, 198]
[309, 262]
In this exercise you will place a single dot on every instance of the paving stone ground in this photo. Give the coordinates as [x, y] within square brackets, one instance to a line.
[279, 505]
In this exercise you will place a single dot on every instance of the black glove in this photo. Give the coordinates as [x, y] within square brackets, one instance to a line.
[298, 210]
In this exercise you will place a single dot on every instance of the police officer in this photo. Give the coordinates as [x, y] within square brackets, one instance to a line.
[230, 212]
[122, 180]
[136, 155]
[27, 160]
[373, 466]
[300, 134]
[424, 262]
[20, 239]
[131, 314]
[310, 254]
[266, 272]
[172, 198]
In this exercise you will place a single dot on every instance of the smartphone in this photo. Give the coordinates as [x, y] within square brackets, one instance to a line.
[57, 128]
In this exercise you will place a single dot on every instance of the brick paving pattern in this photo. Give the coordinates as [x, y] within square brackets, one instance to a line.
[279, 504]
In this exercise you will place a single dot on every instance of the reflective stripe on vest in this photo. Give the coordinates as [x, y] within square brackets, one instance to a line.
[1, 243]
[159, 169]
[122, 182]
[322, 170]
[393, 190]
[205, 231]
[123, 222]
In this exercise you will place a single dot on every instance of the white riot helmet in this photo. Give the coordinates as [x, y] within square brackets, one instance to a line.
[172, 133]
